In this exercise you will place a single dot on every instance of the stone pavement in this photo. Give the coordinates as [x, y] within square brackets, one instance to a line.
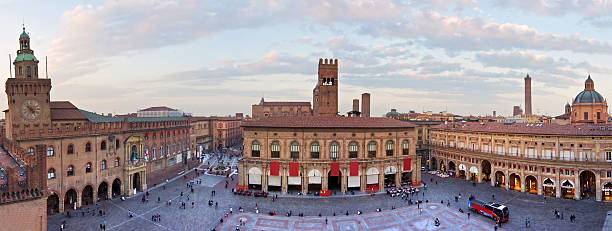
[407, 218]
[590, 214]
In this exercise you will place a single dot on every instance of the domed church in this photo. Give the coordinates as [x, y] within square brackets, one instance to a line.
[589, 107]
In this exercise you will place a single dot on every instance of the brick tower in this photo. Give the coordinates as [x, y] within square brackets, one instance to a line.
[28, 96]
[527, 95]
[325, 93]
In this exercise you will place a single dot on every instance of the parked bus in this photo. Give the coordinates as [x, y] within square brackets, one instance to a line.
[493, 210]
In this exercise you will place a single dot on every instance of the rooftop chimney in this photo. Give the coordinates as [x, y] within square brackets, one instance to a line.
[355, 104]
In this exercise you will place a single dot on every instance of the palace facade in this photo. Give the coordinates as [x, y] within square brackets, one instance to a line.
[569, 161]
[326, 151]
[88, 156]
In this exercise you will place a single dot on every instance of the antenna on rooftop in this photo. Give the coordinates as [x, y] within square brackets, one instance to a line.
[46, 69]
[10, 70]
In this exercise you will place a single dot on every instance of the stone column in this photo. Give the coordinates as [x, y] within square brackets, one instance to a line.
[284, 180]
[398, 176]
[78, 199]
[507, 179]
[577, 188]
[598, 192]
[493, 176]
[539, 184]
[343, 181]
[467, 172]
[381, 179]
[558, 183]
[362, 179]
[324, 183]
[61, 203]
[523, 179]
[480, 173]
[304, 182]
[264, 181]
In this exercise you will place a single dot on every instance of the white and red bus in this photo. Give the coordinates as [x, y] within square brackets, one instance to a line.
[495, 211]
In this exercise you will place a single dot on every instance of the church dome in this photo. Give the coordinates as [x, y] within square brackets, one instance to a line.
[588, 96]
[24, 35]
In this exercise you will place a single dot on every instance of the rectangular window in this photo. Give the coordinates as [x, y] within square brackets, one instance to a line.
[609, 156]
[598, 115]
[333, 149]
[314, 151]
[352, 151]
[586, 115]
[275, 151]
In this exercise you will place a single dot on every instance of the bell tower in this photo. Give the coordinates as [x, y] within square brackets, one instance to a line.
[325, 94]
[28, 96]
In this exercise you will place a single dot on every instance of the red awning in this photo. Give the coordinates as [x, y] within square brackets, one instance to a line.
[274, 168]
[354, 169]
[335, 169]
[294, 169]
[407, 166]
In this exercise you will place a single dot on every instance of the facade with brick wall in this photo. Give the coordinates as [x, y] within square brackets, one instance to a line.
[327, 151]
[87, 156]
[276, 109]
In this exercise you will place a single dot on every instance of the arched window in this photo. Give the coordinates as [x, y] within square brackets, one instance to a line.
[389, 148]
[88, 147]
[353, 149]
[51, 174]
[31, 150]
[103, 165]
[255, 147]
[168, 150]
[116, 143]
[70, 171]
[315, 149]
[275, 150]
[88, 167]
[333, 150]
[117, 161]
[70, 149]
[161, 151]
[295, 150]
[372, 149]
[103, 145]
[50, 151]
[154, 154]
[405, 147]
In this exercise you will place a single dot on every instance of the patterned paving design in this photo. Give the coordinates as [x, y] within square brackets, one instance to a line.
[407, 218]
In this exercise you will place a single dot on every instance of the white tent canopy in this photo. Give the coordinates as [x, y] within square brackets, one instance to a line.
[314, 176]
[390, 170]
[254, 176]
[473, 169]
[462, 167]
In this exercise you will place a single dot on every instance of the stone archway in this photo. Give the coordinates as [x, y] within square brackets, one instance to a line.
[52, 204]
[87, 196]
[136, 182]
[452, 168]
[70, 199]
[500, 179]
[116, 189]
[587, 184]
[531, 185]
[549, 188]
[442, 166]
[103, 191]
[568, 189]
[486, 170]
[515, 182]
[433, 164]
[334, 182]
[606, 191]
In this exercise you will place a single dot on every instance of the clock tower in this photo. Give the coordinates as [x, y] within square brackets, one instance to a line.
[28, 96]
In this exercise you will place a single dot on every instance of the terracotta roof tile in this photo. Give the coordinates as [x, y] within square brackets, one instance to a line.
[328, 122]
[158, 108]
[64, 110]
[530, 128]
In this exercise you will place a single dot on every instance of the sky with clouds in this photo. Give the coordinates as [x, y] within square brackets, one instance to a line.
[211, 57]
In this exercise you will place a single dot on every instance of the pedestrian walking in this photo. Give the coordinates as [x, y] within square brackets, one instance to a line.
[468, 215]
[326, 220]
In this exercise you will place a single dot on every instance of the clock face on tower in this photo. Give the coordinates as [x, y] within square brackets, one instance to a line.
[30, 109]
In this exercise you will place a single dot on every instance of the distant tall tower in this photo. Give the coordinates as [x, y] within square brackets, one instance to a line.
[527, 95]
[325, 94]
